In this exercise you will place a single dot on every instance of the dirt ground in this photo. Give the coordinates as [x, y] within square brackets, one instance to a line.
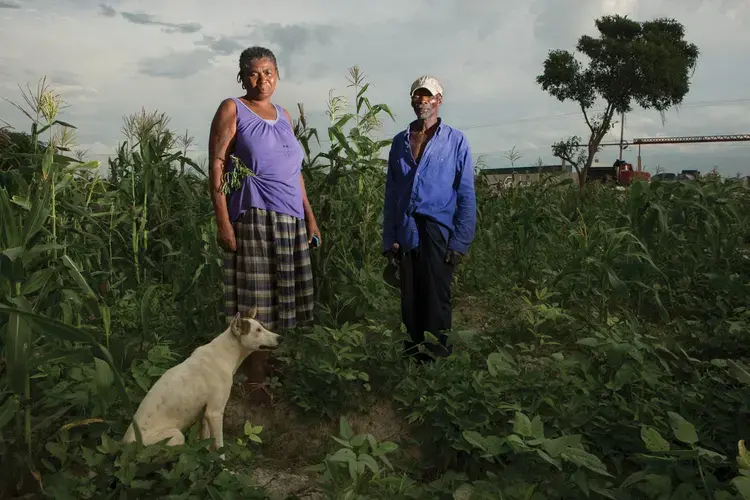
[292, 442]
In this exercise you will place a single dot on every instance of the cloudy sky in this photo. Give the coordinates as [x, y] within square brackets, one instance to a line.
[108, 59]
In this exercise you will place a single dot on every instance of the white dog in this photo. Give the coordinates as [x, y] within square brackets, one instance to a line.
[200, 383]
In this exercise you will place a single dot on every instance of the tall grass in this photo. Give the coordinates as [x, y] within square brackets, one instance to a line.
[607, 321]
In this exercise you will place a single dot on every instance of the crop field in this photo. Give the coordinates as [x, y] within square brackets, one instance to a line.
[601, 337]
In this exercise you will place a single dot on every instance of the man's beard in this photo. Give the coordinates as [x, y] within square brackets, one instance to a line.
[423, 111]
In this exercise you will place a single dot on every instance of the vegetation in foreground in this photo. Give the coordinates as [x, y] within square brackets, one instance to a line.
[604, 360]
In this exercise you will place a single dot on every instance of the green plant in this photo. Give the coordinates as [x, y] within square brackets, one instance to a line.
[606, 320]
[360, 469]
[327, 370]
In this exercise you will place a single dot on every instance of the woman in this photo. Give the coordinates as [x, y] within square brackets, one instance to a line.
[265, 223]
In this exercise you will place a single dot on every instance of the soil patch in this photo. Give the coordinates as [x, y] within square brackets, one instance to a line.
[292, 441]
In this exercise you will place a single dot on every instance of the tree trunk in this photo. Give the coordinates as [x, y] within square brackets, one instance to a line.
[584, 172]
[582, 181]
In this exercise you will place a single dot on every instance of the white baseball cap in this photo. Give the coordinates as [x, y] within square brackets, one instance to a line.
[427, 82]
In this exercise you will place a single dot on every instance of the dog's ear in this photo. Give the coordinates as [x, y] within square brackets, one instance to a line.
[252, 313]
[236, 325]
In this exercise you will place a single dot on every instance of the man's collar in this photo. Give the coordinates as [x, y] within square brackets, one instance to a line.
[440, 126]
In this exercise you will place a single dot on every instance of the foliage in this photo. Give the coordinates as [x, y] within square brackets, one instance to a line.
[158, 471]
[646, 62]
[361, 468]
[604, 357]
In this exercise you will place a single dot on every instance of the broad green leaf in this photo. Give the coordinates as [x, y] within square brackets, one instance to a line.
[37, 216]
[21, 201]
[17, 351]
[104, 376]
[742, 484]
[37, 281]
[9, 234]
[537, 428]
[634, 478]
[557, 463]
[724, 495]
[358, 441]
[582, 481]
[61, 331]
[474, 438]
[686, 491]
[13, 253]
[214, 493]
[589, 342]
[42, 249]
[343, 455]
[740, 371]
[605, 492]
[386, 447]
[743, 457]
[501, 363]
[345, 431]
[75, 273]
[556, 446]
[522, 425]
[585, 459]
[342, 442]
[370, 462]
[710, 456]
[8, 410]
[515, 442]
[653, 440]
[683, 430]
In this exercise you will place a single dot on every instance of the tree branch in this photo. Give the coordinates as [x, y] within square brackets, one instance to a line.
[569, 159]
[606, 123]
[586, 117]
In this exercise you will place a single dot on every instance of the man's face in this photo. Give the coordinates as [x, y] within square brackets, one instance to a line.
[425, 104]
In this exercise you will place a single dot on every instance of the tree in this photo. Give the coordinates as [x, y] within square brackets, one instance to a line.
[649, 63]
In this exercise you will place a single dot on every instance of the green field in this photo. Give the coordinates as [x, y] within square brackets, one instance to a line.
[601, 340]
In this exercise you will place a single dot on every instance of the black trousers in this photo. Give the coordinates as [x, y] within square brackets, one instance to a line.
[426, 290]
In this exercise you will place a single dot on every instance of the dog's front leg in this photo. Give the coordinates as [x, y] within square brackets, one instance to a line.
[205, 428]
[215, 420]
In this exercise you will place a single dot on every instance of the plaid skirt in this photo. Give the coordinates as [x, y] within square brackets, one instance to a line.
[271, 269]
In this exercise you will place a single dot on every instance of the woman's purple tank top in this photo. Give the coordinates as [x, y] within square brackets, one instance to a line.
[270, 150]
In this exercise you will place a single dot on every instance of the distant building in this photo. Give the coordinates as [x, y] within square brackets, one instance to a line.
[526, 174]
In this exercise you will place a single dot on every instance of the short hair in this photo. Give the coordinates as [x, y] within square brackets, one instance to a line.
[249, 55]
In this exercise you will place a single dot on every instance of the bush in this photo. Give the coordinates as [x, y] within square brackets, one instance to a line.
[604, 357]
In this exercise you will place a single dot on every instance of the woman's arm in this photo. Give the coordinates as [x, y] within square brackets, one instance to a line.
[220, 140]
[309, 215]
[220, 145]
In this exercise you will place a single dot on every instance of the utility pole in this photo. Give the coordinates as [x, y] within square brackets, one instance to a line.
[622, 131]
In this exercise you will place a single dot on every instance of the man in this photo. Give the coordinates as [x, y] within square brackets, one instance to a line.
[429, 215]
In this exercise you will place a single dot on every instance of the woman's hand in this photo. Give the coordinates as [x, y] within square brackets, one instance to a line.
[226, 238]
[312, 231]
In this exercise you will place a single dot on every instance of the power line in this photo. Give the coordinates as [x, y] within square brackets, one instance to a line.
[698, 104]
[505, 151]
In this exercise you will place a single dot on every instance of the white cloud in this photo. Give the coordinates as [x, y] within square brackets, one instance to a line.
[110, 58]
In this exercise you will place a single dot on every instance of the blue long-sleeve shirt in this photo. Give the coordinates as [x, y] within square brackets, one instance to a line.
[440, 187]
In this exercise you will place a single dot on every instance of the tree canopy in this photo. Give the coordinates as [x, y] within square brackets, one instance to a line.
[647, 63]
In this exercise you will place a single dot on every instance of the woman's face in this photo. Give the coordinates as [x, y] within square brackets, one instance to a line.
[261, 78]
